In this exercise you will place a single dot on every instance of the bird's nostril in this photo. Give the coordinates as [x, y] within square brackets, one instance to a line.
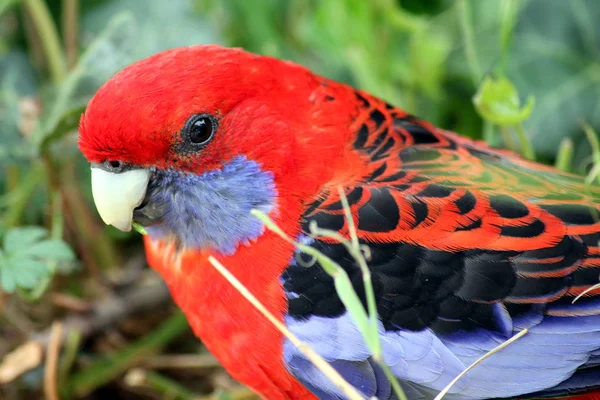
[115, 164]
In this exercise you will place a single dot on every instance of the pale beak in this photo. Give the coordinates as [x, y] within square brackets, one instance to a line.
[117, 194]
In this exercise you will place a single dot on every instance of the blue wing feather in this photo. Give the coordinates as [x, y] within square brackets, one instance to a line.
[425, 362]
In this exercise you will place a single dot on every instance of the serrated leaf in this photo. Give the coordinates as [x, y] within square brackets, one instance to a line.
[28, 273]
[7, 280]
[19, 239]
[51, 250]
[22, 272]
[497, 101]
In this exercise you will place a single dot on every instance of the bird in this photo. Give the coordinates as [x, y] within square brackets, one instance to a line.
[467, 245]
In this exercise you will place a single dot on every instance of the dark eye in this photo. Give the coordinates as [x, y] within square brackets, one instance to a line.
[200, 128]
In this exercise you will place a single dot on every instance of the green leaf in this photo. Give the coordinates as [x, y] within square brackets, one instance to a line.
[497, 101]
[21, 238]
[21, 272]
[139, 228]
[555, 57]
[348, 296]
[51, 250]
[7, 279]
[24, 263]
[28, 273]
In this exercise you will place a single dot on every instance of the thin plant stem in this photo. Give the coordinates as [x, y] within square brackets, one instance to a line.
[508, 140]
[394, 381]
[82, 383]
[13, 214]
[464, 14]
[592, 137]
[564, 157]
[509, 11]
[166, 387]
[488, 133]
[366, 273]
[48, 35]
[490, 353]
[586, 291]
[70, 24]
[526, 147]
[71, 347]
[305, 349]
[52, 355]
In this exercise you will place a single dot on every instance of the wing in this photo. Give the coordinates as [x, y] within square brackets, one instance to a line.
[468, 245]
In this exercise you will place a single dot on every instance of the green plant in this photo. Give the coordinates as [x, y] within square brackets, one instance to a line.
[26, 258]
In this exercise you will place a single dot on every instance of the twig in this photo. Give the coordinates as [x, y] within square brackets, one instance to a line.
[586, 291]
[479, 360]
[313, 356]
[69, 302]
[112, 309]
[104, 370]
[102, 315]
[183, 361]
[166, 387]
[18, 362]
[52, 354]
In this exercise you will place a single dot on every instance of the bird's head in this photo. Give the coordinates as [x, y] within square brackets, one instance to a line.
[188, 141]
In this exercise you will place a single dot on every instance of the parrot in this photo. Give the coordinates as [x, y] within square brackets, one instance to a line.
[467, 245]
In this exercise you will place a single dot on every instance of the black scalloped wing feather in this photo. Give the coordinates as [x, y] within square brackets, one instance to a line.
[460, 236]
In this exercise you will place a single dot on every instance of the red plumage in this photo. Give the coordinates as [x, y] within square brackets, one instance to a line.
[314, 134]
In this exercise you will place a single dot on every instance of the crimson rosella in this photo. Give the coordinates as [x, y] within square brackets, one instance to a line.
[468, 245]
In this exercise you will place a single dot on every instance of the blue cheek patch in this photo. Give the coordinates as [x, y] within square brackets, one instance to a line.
[212, 210]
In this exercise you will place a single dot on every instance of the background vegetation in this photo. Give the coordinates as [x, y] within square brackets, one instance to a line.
[520, 74]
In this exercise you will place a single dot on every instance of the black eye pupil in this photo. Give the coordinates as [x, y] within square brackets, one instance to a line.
[201, 130]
